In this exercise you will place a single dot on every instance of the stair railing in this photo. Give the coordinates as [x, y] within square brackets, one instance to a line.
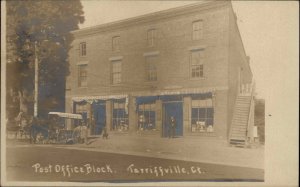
[250, 108]
[247, 89]
[233, 113]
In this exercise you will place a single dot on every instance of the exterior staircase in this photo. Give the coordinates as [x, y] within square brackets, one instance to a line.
[240, 121]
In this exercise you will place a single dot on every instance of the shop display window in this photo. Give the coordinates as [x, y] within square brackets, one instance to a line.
[120, 117]
[146, 117]
[202, 116]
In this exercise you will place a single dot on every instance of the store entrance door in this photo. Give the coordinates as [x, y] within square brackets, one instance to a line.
[100, 118]
[172, 109]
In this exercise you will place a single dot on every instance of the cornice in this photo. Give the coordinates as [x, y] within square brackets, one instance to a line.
[152, 17]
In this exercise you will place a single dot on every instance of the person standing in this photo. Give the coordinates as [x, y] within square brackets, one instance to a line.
[83, 132]
[104, 133]
[172, 127]
[86, 128]
[92, 126]
[141, 122]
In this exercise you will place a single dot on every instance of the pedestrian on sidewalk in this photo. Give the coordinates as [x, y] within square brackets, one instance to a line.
[83, 132]
[172, 127]
[104, 133]
[141, 122]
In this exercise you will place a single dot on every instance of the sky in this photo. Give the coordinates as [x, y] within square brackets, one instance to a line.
[260, 24]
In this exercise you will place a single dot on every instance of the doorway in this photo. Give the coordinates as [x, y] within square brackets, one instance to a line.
[174, 109]
[99, 117]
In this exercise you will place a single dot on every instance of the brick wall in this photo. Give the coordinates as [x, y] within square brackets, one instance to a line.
[173, 44]
[221, 114]
[224, 55]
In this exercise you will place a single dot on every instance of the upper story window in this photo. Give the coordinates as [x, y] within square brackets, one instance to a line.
[82, 75]
[151, 70]
[196, 64]
[116, 43]
[116, 72]
[82, 49]
[151, 34]
[197, 30]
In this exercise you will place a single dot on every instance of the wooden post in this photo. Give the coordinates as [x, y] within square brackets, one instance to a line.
[36, 85]
[132, 114]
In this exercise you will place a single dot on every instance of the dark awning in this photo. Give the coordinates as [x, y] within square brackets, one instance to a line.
[146, 99]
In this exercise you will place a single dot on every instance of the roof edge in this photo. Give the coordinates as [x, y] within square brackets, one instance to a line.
[150, 17]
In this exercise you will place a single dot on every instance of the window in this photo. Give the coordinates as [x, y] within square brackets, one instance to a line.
[82, 49]
[120, 117]
[116, 43]
[196, 64]
[202, 115]
[83, 110]
[146, 119]
[151, 70]
[116, 71]
[82, 75]
[151, 37]
[197, 30]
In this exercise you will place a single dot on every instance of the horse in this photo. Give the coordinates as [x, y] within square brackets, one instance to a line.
[39, 131]
[13, 127]
[19, 128]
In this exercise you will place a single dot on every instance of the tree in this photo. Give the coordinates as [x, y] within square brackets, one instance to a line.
[48, 24]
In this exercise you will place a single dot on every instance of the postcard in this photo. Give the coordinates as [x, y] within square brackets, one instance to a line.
[145, 92]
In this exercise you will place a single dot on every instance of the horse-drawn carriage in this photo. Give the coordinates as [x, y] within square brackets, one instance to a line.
[57, 130]
[54, 129]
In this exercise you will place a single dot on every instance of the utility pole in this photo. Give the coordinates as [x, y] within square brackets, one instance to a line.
[36, 81]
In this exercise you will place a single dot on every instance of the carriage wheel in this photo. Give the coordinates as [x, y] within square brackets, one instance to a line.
[76, 136]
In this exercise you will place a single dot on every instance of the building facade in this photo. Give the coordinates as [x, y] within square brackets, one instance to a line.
[132, 76]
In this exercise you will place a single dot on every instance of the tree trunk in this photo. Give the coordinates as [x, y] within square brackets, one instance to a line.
[23, 106]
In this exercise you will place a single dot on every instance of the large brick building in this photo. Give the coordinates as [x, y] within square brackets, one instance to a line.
[134, 74]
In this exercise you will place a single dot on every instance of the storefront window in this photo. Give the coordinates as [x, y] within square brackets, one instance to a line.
[83, 110]
[120, 117]
[146, 120]
[202, 115]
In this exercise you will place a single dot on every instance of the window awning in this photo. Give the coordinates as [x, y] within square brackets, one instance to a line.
[145, 99]
[92, 99]
[172, 97]
[66, 115]
[182, 91]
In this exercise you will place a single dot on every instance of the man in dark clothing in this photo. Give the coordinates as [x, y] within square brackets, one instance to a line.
[172, 127]
[104, 133]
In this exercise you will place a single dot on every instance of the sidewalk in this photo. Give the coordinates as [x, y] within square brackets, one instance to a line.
[198, 149]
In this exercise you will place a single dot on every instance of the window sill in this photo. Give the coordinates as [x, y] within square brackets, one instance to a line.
[201, 133]
[148, 132]
[197, 48]
[198, 78]
[197, 39]
[150, 81]
[116, 84]
[118, 132]
[151, 53]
